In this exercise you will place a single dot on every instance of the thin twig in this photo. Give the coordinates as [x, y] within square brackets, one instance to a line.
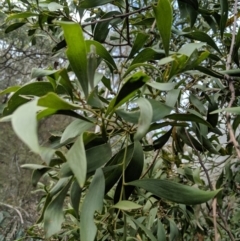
[152, 163]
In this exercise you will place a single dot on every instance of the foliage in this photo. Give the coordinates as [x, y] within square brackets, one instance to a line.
[150, 86]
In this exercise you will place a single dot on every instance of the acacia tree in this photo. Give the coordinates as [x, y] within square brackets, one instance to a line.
[152, 152]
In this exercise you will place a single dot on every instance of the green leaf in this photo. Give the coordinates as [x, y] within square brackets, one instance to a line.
[175, 192]
[188, 117]
[145, 119]
[102, 52]
[14, 26]
[132, 172]
[161, 141]
[32, 89]
[76, 52]
[53, 101]
[197, 103]
[92, 202]
[75, 195]
[174, 233]
[162, 86]
[93, 3]
[147, 231]
[135, 66]
[234, 110]
[138, 44]
[39, 73]
[172, 97]
[10, 89]
[76, 158]
[24, 118]
[147, 54]
[189, 48]
[53, 215]
[20, 15]
[74, 129]
[126, 205]
[224, 16]
[103, 27]
[164, 17]
[131, 86]
[53, 6]
[98, 156]
[201, 36]
[113, 169]
[161, 236]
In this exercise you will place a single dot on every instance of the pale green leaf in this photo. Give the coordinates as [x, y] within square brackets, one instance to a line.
[126, 205]
[92, 202]
[76, 158]
[75, 128]
[145, 118]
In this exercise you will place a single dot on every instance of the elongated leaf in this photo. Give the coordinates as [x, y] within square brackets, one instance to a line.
[147, 231]
[38, 73]
[76, 158]
[75, 128]
[52, 100]
[98, 156]
[113, 169]
[126, 205]
[102, 52]
[10, 89]
[161, 236]
[132, 172]
[145, 118]
[175, 192]
[76, 52]
[224, 15]
[53, 215]
[14, 26]
[33, 89]
[162, 86]
[201, 36]
[103, 27]
[138, 43]
[161, 141]
[20, 15]
[93, 3]
[92, 202]
[75, 195]
[188, 117]
[147, 54]
[164, 17]
[132, 85]
[24, 118]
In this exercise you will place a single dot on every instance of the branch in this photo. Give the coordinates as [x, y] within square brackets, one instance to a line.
[124, 15]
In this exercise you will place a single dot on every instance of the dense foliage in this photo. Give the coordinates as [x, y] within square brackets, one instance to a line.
[152, 87]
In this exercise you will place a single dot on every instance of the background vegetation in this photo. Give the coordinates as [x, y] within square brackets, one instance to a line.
[147, 145]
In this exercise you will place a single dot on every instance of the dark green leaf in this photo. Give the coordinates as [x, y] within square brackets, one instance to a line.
[138, 43]
[75, 195]
[93, 3]
[175, 192]
[224, 15]
[14, 26]
[161, 141]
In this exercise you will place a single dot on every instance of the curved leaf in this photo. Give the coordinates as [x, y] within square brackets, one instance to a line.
[175, 192]
[76, 158]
